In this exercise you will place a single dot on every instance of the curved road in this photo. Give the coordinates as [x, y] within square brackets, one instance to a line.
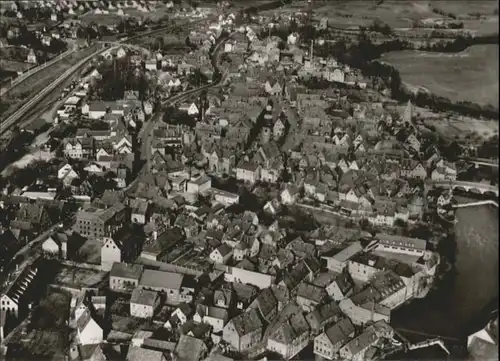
[145, 133]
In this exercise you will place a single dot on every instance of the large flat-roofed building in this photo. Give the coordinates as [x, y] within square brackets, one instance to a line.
[97, 222]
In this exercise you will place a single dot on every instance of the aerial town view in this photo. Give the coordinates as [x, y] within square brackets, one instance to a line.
[269, 180]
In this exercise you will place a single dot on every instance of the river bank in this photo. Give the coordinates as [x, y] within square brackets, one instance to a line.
[462, 296]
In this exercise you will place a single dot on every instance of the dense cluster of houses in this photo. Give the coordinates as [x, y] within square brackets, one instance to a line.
[263, 293]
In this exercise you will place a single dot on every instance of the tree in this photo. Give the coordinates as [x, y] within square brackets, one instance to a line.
[197, 78]
[159, 43]
[175, 116]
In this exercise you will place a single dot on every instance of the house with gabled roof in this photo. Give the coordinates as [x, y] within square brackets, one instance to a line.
[221, 254]
[14, 297]
[88, 330]
[243, 331]
[248, 172]
[309, 296]
[190, 349]
[267, 304]
[328, 344]
[57, 245]
[357, 348]
[123, 277]
[223, 297]
[290, 337]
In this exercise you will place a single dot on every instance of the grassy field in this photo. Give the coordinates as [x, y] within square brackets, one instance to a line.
[397, 14]
[471, 75]
[14, 66]
[464, 8]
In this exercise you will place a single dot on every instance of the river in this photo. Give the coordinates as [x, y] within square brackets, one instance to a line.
[451, 309]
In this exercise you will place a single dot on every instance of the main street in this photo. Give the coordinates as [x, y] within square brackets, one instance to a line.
[145, 134]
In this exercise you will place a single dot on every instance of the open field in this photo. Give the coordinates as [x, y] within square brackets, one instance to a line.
[101, 19]
[78, 277]
[471, 75]
[451, 129]
[464, 8]
[396, 14]
[401, 14]
[14, 66]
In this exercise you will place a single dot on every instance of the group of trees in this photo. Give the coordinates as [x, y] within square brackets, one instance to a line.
[29, 39]
[362, 54]
[196, 78]
[118, 77]
[175, 116]
[32, 14]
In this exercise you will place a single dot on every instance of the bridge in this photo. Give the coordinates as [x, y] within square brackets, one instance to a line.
[468, 186]
[473, 204]
[481, 161]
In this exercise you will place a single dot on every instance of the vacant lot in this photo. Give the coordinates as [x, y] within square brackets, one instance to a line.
[471, 75]
[14, 66]
[78, 277]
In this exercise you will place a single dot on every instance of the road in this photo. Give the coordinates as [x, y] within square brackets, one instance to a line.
[146, 132]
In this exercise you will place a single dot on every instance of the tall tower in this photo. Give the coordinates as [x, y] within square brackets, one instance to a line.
[407, 115]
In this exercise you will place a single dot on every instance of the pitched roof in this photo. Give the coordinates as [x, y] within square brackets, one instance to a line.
[189, 348]
[311, 292]
[161, 279]
[339, 333]
[123, 270]
[288, 331]
[394, 240]
[323, 314]
[143, 354]
[247, 322]
[143, 297]
[266, 302]
[361, 342]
